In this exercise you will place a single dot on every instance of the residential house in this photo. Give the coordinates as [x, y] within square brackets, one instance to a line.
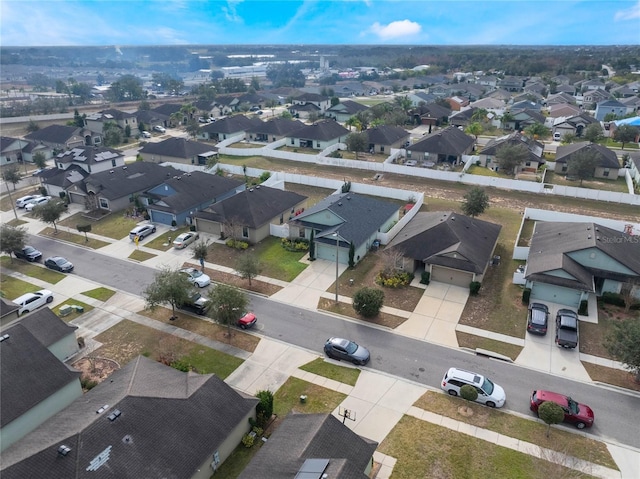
[236, 125]
[535, 149]
[457, 103]
[11, 150]
[432, 114]
[151, 118]
[511, 83]
[632, 103]
[589, 85]
[575, 125]
[634, 167]
[8, 311]
[500, 94]
[62, 137]
[566, 88]
[443, 146]
[146, 420]
[178, 150]
[32, 149]
[569, 261]
[248, 214]
[593, 97]
[488, 80]
[166, 110]
[273, 129]
[532, 97]
[385, 137]
[608, 166]
[340, 220]
[419, 98]
[610, 107]
[318, 136]
[563, 110]
[560, 98]
[462, 119]
[525, 105]
[177, 198]
[59, 182]
[312, 446]
[350, 89]
[454, 249]
[537, 88]
[305, 103]
[561, 80]
[345, 110]
[524, 118]
[96, 121]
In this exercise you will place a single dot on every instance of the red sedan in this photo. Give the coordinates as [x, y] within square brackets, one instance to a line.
[247, 321]
[580, 415]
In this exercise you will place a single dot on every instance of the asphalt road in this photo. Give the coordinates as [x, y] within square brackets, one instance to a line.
[616, 412]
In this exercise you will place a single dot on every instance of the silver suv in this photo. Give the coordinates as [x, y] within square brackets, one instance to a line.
[141, 231]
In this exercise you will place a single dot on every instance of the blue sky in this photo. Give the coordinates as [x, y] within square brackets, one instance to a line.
[424, 22]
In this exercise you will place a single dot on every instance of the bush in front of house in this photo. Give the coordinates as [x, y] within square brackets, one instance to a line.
[613, 298]
[468, 392]
[394, 279]
[583, 310]
[236, 244]
[295, 244]
[367, 302]
[264, 409]
[526, 294]
[474, 288]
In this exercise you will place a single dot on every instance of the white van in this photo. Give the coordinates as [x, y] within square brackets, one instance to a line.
[25, 200]
[489, 393]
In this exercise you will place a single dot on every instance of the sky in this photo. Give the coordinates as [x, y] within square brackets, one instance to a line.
[372, 22]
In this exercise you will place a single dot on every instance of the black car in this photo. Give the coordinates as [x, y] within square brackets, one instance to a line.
[59, 263]
[28, 253]
[339, 348]
[538, 318]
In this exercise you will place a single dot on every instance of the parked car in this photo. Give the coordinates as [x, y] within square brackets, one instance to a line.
[43, 200]
[580, 415]
[28, 253]
[141, 231]
[538, 318]
[25, 200]
[489, 393]
[196, 303]
[567, 328]
[248, 320]
[159, 129]
[184, 240]
[32, 301]
[58, 263]
[196, 277]
[145, 134]
[340, 348]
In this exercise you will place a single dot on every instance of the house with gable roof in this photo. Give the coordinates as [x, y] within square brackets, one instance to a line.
[11, 150]
[318, 136]
[228, 128]
[610, 107]
[574, 124]
[273, 129]
[535, 149]
[95, 121]
[563, 110]
[385, 137]
[62, 137]
[593, 97]
[443, 146]
[431, 114]
[608, 166]
[305, 103]
[178, 150]
[345, 110]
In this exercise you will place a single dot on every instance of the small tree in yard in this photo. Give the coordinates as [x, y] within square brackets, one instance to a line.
[264, 409]
[509, 157]
[583, 164]
[352, 253]
[593, 133]
[84, 229]
[11, 174]
[312, 247]
[625, 134]
[367, 302]
[476, 201]
[13, 238]
[39, 160]
[628, 293]
[169, 287]
[550, 413]
[468, 392]
[248, 266]
[357, 142]
[50, 212]
[200, 250]
[623, 343]
[226, 305]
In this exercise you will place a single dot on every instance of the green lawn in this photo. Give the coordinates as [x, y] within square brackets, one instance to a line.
[141, 255]
[163, 242]
[472, 341]
[618, 185]
[114, 225]
[34, 270]
[332, 371]
[76, 238]
[101, 294]
[74, 312]
[11, 287]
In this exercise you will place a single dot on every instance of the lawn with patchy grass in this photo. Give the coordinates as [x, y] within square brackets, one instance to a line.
[6, 203]
[74, 238]
[139, 255]
[14, 222]
[346, 309]
[34, 270]
[341, 374]
[74, 312]
[101, 294]
[472, 341]
[513, 426]
[164, 242]
[114, 225]
[615, 377]
[11, 287]
[618, 185]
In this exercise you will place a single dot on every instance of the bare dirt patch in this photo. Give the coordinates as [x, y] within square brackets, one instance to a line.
[96, 369]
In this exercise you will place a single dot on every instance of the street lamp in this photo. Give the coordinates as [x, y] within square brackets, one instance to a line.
[337, 236]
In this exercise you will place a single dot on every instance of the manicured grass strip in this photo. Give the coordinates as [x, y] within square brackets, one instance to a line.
[11, 287]
[277, 262]
[114, 225]
[164, 241]
[74, 238]
[332, 371]
[472, 341]
[138, 255]
[101, 294]
[319, 399]
[74, 312]
[34, 270]
[616, 377]
[519, 428]
[382, 319]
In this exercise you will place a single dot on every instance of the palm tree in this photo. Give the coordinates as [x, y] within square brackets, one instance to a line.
[353, 121]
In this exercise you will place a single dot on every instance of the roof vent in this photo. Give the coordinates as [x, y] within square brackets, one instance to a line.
[340, 204]
[63, 450]
[589, 237]
[111, 171]
[348, 197]
[124, 167]
[127, 439]
[257, 187]
[4, 337]
[597, 238]
[588, 228]
[102, 409]
[114, 415]
[597, 229]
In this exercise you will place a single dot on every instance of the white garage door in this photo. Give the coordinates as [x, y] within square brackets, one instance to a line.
[210, 227]
[451, 276]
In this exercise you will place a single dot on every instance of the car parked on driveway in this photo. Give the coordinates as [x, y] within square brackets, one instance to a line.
[489, 393]
[567, 328]
[58, 263]
[185, 239]
[43, 200]
[538, 318]
[340, 348]
[25, 200]
[580, 415]
[159, 129]
[31, 301]
[28, 253]
[248, 320]
[141, 231]
[196, 277]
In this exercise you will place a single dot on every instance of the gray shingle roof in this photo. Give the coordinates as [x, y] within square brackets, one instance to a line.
[129, 179]
[46, 327]
[58, 134]
[608, 158]
[322, 131]
[7, 307]
[386, 134]
[311, 436]
[73, 175]
[277, 126]
[348, 107]
[231, 124]
[535, 148]
[177, 148]
[448, 239]
[167, 109]
[450, 141]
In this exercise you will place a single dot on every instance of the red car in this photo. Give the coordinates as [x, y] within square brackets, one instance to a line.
[580, 415]
[247, 321]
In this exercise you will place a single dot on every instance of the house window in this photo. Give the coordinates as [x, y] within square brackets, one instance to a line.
[281, 219]
[564, 168]
[293, 141]
[113, 162]
[605, 172]
[245, 232]
[528, 163]
[318, 145]
[301, 233]
[104, 203]
[382, 149]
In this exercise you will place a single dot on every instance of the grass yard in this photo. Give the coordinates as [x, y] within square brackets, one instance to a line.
[11, 287]
[344, 309]
[74, 238]
[472, 341]
[527, 233]
[127, 339]
[341, 374]
[616, 377]
[101, 294]
[513, 426]
[256, 286]
[592, 335]
[163, 242]
[34, 270]
[313, 193]
[114, 225]
[618, 185]
[6, 203]
[74, 312]
[141, 256]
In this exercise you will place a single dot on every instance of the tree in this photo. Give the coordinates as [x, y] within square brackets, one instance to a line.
[593, 133]
[286, 114]
[32, 126]
[264, 409]
[84, 229]
[623, 343]
[468, 392]
[285, 74]
[169, 286]
[200, 250]
[628, 292]
[13, 239]
[50, 212]
[39, 160]
[312, 246]
[357, 142]
[510, 156]
[476, 201]
[352, 252]
[474, 129]
[568, 138]
[550, 413]
[537, 130]
[271, 104]
[111, 133]
[583, 164]
[248, 266]
[353, 121]
[226, 305]
[367, 302]
[625, 134]
[192, 128]
[507, 117]
[11, 174]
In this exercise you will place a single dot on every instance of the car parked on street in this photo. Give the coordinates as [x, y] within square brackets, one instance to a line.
[248, 320]
[25, 200]
[567, 328]
[43, 200]
[580, 415]
[196, 277]
[489, 393]
[340, 348]
[538, 318]
[185, 239]
[31, 301]
[58, 263]
[141, 231]
[28, 253]
[196, 304]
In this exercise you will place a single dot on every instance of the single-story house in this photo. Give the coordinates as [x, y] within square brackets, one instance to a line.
[574, 124]
[57, 181]
[385, 137]
[454, 249]
[342, 219]
[432, 114]
[535, 148]
[523, 118]
[568, 261]
[248, 214]
[63, 137]
[151, 118]
[228, 128]
[345, 110]
[273, 130]
[462, 118]
[178, 150]
[608, 167]
[443, 146]
[318, 136]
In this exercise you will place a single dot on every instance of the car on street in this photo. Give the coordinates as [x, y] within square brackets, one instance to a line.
[196, 277]
[196, 303]
[31, 301]
[489, 393]
[248, 320]
[159, 129]
[580, 415]
[538, 318]
[567, 328]
[185, 239]
[43, 200]
[58, 263]
[141, 231]
[340, 348]
[25, 200]
[28, 253]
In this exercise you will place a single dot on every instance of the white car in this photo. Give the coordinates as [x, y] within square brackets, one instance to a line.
[25, 200]
[185, 239]
[160, 129]
[43, 200]
[145, 134]
[196, 277]
[489, 393]
[32, 301]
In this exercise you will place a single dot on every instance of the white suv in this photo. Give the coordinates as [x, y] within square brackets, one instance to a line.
[489, 393]
[141, 231]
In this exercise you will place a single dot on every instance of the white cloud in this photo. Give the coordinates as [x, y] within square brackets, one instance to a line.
[230, 11]
[402, 28]
[628, 14]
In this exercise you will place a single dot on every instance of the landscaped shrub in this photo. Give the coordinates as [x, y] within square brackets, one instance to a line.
[468, 392]
[264, 409]
[613, 298]
[526, 294]
[583, 310]
[367, 302]
[425, 278]
[248, 440]
[395, 279]
[236, 244]
[474, 288]
[181, 365]
[87, 384]
[295, 244]
[265, 176]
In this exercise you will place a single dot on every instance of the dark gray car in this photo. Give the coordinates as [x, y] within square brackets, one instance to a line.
[339, 348]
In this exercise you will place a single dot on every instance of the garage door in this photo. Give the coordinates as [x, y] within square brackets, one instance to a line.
[451, 276]
[210, 227]
[555, 294]
[328, 252]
